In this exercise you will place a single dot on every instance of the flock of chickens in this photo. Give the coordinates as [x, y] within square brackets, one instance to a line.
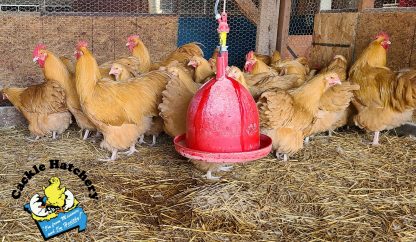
[131, 97]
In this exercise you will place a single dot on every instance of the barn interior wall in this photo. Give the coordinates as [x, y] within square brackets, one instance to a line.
[349, 33]
[19, 34]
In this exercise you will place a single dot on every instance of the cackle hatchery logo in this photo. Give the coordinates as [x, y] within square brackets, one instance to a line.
[57, 211]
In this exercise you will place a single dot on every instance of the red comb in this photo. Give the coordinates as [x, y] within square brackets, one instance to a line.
[384, 35]
[82, 43]
[250, 55]
[134, 36]
[37, 49]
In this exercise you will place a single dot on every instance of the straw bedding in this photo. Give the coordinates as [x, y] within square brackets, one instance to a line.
[336, 189]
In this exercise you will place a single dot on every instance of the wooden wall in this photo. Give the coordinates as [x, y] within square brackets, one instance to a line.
[19, 34]
[355, 32]
[333, 29]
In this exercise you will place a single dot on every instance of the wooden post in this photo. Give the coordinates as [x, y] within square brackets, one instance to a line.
[365, 4]
[267, 28]
[283, 29]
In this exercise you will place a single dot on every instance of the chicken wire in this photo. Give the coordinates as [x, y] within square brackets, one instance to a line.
[301, 23]
[105, 24]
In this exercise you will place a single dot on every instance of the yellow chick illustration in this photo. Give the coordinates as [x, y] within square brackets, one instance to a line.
[55, 195]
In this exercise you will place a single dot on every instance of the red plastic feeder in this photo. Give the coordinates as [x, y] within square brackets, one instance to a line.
[223, 123]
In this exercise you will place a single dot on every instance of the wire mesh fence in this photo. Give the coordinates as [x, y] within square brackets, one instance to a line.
[105, 24]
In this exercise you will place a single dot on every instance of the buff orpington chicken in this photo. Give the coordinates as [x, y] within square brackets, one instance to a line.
[43, 105]
[176, 98]
[386, 99]
[254, 65]
[334, 106]
[259, 83]
[203, 71]
[54, 68]
[181, 55]
[121, 111]
[139, 62]
[285, 115]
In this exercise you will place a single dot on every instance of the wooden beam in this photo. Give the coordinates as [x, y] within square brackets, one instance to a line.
[283, 29]
[267, 28]
[250, 10]
[365, 4]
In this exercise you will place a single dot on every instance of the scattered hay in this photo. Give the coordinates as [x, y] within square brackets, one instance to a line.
[335, 189]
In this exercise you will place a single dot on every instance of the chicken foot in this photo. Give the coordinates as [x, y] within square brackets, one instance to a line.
[33, 140]
[54, 136]
[376, 138]
[131, 151]
[282, 156]
[141, 140]
[112, 158]
[153, 140]
[209, 175]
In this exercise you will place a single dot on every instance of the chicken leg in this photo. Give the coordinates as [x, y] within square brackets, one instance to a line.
[112, 158]
[131, 151]
[282, 156]
[153, 140]
[376, 138]
[87, 132]
[141, 140]
[54, 135]
[209, 176]
[33, 140]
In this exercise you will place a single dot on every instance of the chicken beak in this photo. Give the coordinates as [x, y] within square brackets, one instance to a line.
[192, 63]
[388, 42]
[35, 59]
[113, 71]
[128, 44]
[334, 82]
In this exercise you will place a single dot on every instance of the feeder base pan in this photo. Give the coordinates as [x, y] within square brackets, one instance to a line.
[235, 157]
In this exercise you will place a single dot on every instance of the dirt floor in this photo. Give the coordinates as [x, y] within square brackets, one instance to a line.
[336, 189]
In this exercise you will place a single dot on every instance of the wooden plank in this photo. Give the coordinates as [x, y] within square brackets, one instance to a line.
[123, 28]
[413, 57]
[249, 10]
[61, 33]
[334, 34]
[103, 39]
[267, 28]
[298, 45]
[159, 43]
[283, 26]
[19, 35]
[399, 25]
